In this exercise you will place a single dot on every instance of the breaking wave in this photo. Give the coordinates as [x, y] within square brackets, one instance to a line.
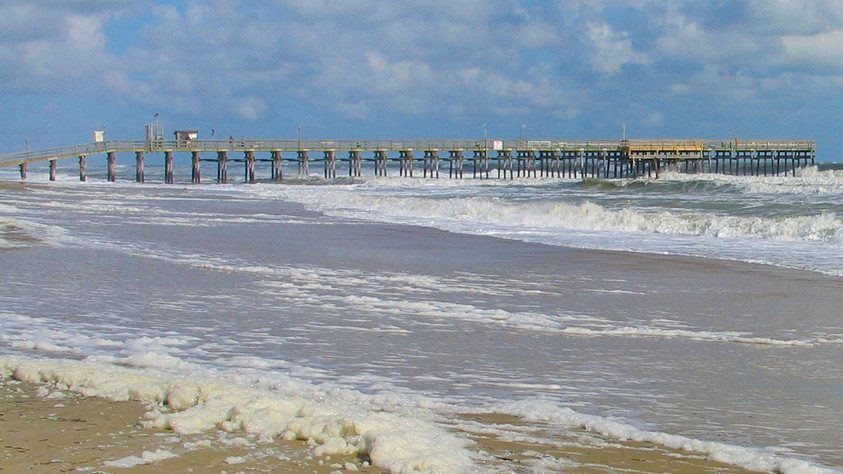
[589, 216]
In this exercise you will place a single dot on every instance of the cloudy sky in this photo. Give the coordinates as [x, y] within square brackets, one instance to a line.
[421, 69]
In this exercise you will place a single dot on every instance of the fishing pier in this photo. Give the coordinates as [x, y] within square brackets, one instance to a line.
[500, 159]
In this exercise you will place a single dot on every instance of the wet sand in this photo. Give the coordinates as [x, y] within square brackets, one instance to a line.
[580, 452]
[43, 429]
[46, 430]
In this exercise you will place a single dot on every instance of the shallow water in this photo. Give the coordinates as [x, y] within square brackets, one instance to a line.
[318, 283]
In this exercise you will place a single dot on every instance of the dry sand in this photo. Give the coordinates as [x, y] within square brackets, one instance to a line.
[46, 430]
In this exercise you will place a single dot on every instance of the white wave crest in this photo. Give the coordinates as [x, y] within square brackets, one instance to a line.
[808, 181]
[589, 216]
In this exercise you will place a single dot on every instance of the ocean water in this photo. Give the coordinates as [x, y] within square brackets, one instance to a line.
[700, 312]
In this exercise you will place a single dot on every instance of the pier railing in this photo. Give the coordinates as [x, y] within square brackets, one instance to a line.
[662, 147]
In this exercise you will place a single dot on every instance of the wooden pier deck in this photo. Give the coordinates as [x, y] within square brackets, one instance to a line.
[504, 158]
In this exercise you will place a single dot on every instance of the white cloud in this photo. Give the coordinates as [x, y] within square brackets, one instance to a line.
[46, 47]
[821, 50]
[250, 108]
[612, 50]
[447, 61]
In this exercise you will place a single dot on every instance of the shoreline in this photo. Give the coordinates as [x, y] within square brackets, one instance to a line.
[45, 427]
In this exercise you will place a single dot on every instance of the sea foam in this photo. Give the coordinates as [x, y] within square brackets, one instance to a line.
[749, 458]
[332, 423]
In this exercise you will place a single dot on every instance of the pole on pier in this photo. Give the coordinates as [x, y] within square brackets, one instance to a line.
[276, 165]
[112, 166]
[195, 172]
[23, 171]
[168, 167]
[250, 166]
[222, 166]
[83, 169]
[139, 166]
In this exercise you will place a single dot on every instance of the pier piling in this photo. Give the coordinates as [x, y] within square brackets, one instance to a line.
[139, 166]
[456, 159]
[304, 166]
[112, 166]
[481, 163]
[431, 163]
[405, 163]
[168, 167]
[249, 165]
[195, 171]
[83, 169]
[222, 166]
[355, 167]
[380, 162]
[330, 164]
[276, 173]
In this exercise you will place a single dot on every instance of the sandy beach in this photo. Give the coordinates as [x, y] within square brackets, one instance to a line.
[439, 349]
[47, 430]
[50, 430]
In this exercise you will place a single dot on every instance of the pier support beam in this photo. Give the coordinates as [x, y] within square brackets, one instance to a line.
[83, 169]
[304, 165]
[195, 171]
[481, 162]
[456, 168]
[355, 167]
[581, 157]
[405, 163]
[431, 163]
[222, 166]
[276, 165]
[330, 164]
[249, 164]
[53, 170]
[505, 163]
[380, 162]
[168, 167]
[23, 171]
[526, 163]
[139, 167]
[112, 166]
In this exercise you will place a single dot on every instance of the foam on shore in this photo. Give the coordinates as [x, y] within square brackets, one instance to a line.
[397, 442]
[753, 459]
[390, 433]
